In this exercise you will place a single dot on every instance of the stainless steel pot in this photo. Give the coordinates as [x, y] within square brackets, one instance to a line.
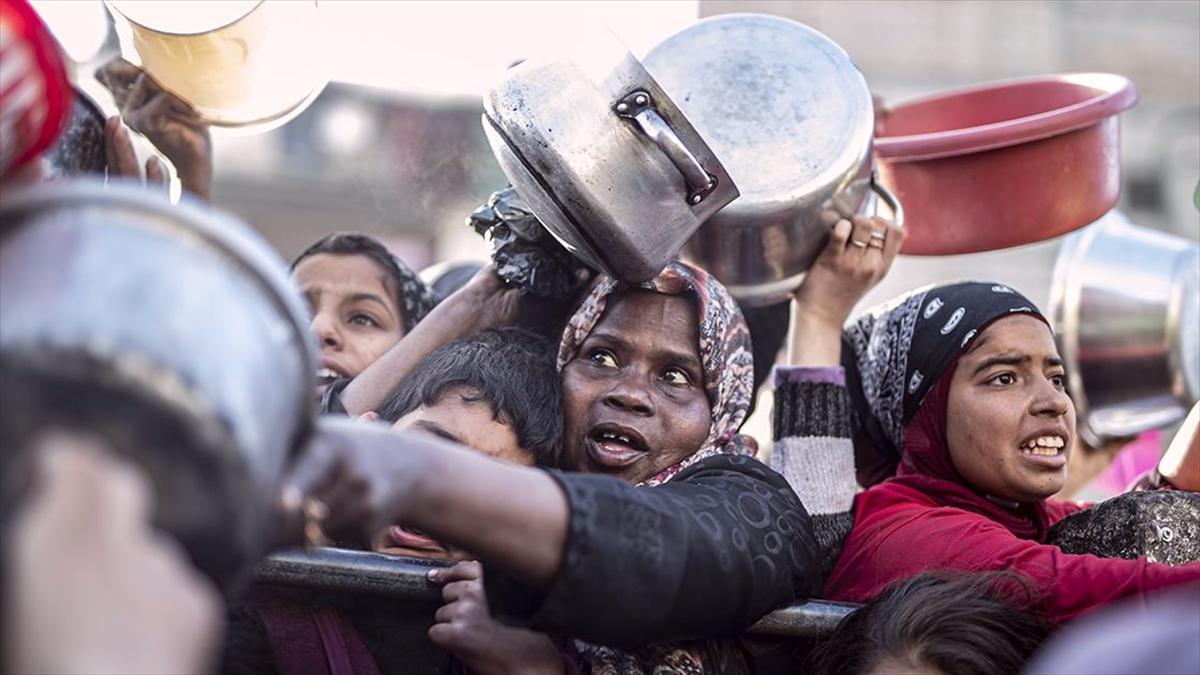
[172, 331]
[1126, 306]
[791, 117]
[603, 157]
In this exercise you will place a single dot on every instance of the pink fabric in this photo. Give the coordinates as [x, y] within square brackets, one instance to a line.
[1131, 462]
[928, 518]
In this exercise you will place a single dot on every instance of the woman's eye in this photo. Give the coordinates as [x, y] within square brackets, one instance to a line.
[1003, 379]
[603, 357]
[676, 376]
[363, 320]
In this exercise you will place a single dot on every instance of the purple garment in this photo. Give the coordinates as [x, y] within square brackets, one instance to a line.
[815, 374]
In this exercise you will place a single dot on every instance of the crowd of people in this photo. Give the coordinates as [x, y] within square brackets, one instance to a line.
[576, 467]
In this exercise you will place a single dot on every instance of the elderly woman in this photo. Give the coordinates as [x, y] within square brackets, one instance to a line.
[656, 382]
[965, 383]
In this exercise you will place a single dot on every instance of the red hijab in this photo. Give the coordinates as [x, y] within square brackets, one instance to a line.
[928, 517]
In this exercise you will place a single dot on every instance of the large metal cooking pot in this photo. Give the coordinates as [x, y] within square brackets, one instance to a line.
[1126, 306]
[791, 117]
[250, 65]
[172, 331]
[603, 157]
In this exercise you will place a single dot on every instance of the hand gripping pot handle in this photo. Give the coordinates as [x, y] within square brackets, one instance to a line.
[638, 106]
[889, 199]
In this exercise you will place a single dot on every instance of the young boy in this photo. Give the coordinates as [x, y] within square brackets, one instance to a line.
[497, 392]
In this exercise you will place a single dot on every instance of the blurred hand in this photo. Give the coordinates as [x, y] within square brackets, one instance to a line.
[345, 486]
[465, 627]
[165, 119]
[122, 159]
[91, 586]
[859, 253]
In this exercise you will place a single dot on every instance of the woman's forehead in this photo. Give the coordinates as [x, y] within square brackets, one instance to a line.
[645, 316]
[344, 275]
[1019, 333]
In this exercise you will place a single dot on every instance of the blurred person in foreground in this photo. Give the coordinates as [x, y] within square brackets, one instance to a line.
[1157, 634]
[89, 585]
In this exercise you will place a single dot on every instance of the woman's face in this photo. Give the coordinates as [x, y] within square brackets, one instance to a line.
[1009, 421]
[356, 317]
[634, 393]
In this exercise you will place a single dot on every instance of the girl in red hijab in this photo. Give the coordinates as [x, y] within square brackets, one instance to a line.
[964, 383]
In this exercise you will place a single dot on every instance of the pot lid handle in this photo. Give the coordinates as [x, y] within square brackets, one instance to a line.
[639, 107]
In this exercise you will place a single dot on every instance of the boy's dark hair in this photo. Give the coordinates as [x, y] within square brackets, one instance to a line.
[356, 243]
[511, 368]
[967, 624]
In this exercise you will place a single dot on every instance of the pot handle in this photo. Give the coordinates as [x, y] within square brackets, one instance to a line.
[888, 198]
[638, 106]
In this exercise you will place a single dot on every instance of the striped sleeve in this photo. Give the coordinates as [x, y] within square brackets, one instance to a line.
[812, 447]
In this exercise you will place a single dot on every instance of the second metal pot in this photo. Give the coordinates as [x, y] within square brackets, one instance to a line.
[790, 115]
[1126, 307]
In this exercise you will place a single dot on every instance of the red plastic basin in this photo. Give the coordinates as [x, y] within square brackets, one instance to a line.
[1004, 163]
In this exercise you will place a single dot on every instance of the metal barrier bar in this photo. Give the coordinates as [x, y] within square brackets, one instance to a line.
[334, 569]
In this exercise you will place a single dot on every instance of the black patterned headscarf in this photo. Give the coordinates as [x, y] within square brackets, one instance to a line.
[894, 353]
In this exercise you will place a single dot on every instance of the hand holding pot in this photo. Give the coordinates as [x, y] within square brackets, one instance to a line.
[166, 120]
[859, 253]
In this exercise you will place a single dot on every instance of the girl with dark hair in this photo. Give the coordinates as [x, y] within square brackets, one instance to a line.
[363, 300]
[965, 384]
[981, 624]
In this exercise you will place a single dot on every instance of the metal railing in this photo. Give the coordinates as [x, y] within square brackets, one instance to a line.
[341, 570]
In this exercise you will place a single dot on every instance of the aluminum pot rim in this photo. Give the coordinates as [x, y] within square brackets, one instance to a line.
[229, 236]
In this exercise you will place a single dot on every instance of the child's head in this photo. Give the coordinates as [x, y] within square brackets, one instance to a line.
[939, 625]
[363, 301]
[497, 393]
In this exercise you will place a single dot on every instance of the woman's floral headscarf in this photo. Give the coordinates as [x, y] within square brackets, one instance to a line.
[724, 349]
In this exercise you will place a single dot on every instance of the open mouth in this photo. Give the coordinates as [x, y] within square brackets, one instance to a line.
[399, 536]
[615, 445]
[1046, 446]
[326, 375]
[1045, 450]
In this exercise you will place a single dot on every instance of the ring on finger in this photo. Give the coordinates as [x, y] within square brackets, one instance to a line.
[876, 243]
[878, 234]
[315, 510]
[860, 244]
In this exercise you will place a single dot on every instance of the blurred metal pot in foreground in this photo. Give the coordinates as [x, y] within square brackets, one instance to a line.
[171, 331]
[1125, 303]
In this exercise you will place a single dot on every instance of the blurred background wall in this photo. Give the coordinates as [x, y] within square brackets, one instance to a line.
[394, 147]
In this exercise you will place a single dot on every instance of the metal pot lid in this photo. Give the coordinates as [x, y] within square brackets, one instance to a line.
[783, 106]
